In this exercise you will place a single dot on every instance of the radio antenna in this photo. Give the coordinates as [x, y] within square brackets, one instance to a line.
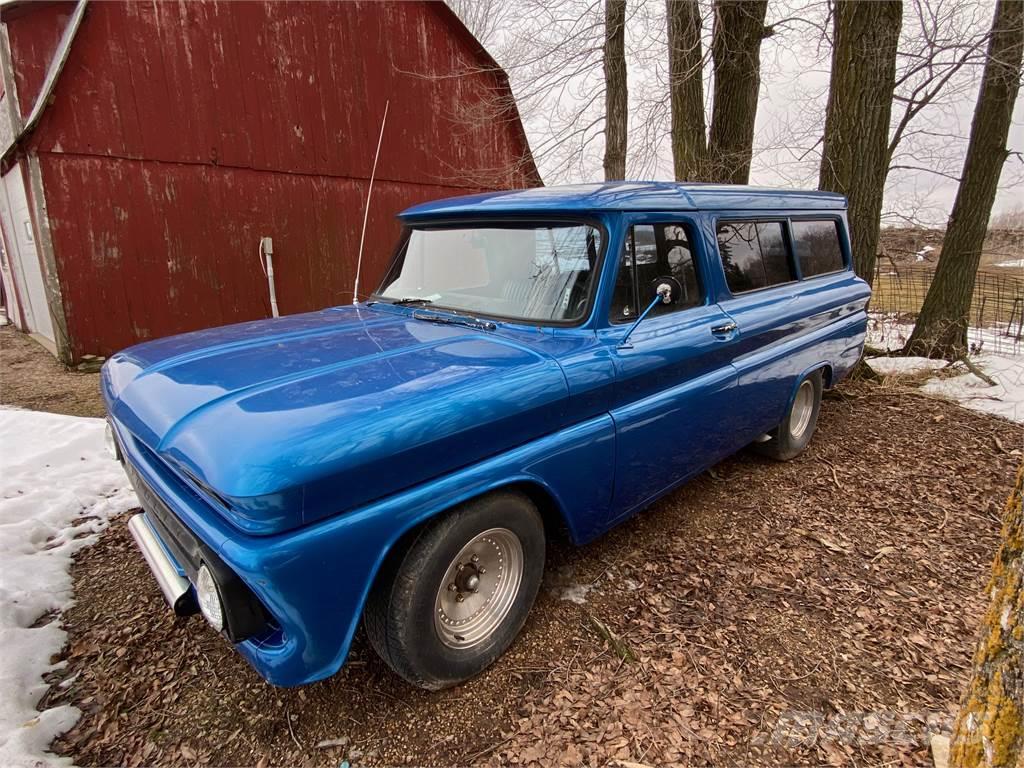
[366, 212]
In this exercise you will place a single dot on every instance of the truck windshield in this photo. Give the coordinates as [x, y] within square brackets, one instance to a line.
[532, 272]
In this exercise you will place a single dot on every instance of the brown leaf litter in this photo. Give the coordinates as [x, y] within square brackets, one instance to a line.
[821, 611]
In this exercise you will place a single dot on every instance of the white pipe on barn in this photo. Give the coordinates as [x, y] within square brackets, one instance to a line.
[267, 262]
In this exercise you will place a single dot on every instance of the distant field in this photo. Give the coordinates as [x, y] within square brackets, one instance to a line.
[901, 281]
[902, 246]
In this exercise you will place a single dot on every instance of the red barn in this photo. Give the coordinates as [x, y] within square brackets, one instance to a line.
[147, 147]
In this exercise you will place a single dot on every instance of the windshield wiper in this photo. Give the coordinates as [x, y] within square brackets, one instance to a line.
[413, 300]
[469, 322]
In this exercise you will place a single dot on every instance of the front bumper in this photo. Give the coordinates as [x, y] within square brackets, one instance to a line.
[175, 554]
[175, 587]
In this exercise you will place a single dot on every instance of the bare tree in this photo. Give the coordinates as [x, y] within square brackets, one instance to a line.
[686, 90]
[989, 729]
[854, 156]
[938, 63]
[736, 53]
[937, 43]
[484, 18]
[616, 99]
[941, 327]
[739, 28]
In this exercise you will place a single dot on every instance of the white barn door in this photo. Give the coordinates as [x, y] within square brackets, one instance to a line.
[23, 254]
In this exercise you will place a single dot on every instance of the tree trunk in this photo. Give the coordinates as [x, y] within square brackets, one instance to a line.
[989, 730]
[853, 160]
[686, 90]
[615, 89]
[941, 328]
[736, 52]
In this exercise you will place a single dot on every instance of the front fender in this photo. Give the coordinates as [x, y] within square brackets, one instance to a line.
[314, 581]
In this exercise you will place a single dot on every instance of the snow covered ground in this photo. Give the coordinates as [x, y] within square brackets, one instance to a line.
[58, 488]
[1006, 399]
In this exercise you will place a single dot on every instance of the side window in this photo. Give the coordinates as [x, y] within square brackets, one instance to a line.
[817, 246]
[624, 294]
[654, 252]
[753, 254]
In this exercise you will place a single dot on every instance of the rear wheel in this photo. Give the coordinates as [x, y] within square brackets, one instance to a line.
[445, 608]
[791, 437]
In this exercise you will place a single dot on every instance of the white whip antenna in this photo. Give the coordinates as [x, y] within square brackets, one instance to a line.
[366, 213]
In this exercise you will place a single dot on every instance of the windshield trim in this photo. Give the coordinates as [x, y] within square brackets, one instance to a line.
[490, 221]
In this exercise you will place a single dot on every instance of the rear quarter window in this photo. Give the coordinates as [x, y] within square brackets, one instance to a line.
[753, 254]
[817, 246]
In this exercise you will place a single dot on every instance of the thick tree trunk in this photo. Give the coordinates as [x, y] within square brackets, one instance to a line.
[736, 52]
[853, 160]
[615, 89]
[989, 730]
[686, 90]
[941, 328]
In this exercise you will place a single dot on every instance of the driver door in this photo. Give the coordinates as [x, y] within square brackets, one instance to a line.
[674, 378]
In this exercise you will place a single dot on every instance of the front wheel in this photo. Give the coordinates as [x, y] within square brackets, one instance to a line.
[791, 437]
[450, 604]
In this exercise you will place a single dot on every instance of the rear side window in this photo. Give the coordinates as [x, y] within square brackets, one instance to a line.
[753, 254]
[654, 252]
[817, 247]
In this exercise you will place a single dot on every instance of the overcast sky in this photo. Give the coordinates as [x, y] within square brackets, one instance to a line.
[794, 91]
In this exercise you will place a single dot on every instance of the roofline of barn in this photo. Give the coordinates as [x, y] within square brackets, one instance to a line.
[457, 25]
[12, 9]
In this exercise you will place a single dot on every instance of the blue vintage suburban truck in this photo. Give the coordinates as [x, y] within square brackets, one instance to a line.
[542, 359]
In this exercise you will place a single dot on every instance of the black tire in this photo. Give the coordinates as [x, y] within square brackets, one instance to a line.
[787, 440]
[400, 610]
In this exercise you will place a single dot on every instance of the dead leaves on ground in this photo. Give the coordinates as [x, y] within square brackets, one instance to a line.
[816, 612]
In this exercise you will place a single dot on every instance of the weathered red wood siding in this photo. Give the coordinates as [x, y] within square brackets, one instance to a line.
[182, 132]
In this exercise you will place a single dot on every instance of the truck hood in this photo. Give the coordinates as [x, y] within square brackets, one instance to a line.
[291, 420]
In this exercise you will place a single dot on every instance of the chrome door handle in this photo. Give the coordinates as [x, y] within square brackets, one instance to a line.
[723, 328]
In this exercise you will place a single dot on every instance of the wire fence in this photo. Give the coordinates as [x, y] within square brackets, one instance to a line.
[997, 307]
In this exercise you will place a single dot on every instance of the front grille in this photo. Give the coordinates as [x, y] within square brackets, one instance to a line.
[182, 543]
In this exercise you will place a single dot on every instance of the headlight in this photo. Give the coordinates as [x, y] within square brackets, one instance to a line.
[209, 598]
[110, 442]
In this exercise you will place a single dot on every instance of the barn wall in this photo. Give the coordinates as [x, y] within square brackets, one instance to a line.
[157, 249]
[182, 132]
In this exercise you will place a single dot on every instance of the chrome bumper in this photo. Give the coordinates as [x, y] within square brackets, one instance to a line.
[171, 583]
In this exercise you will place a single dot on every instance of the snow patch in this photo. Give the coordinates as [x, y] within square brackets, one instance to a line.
[888, 366]
[891, 334]
[1006, 399]
[58, 488]
[576, 593]
[1011, 264]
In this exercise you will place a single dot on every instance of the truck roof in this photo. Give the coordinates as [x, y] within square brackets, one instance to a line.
[629, 196]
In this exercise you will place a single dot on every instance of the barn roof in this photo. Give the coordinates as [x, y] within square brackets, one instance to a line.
[12, 9]
[630, 195]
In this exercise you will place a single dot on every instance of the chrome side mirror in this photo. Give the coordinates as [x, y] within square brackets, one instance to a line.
[663, 295]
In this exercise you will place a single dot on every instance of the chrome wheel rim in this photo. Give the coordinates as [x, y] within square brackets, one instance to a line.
[803, 407]
[479, 588]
